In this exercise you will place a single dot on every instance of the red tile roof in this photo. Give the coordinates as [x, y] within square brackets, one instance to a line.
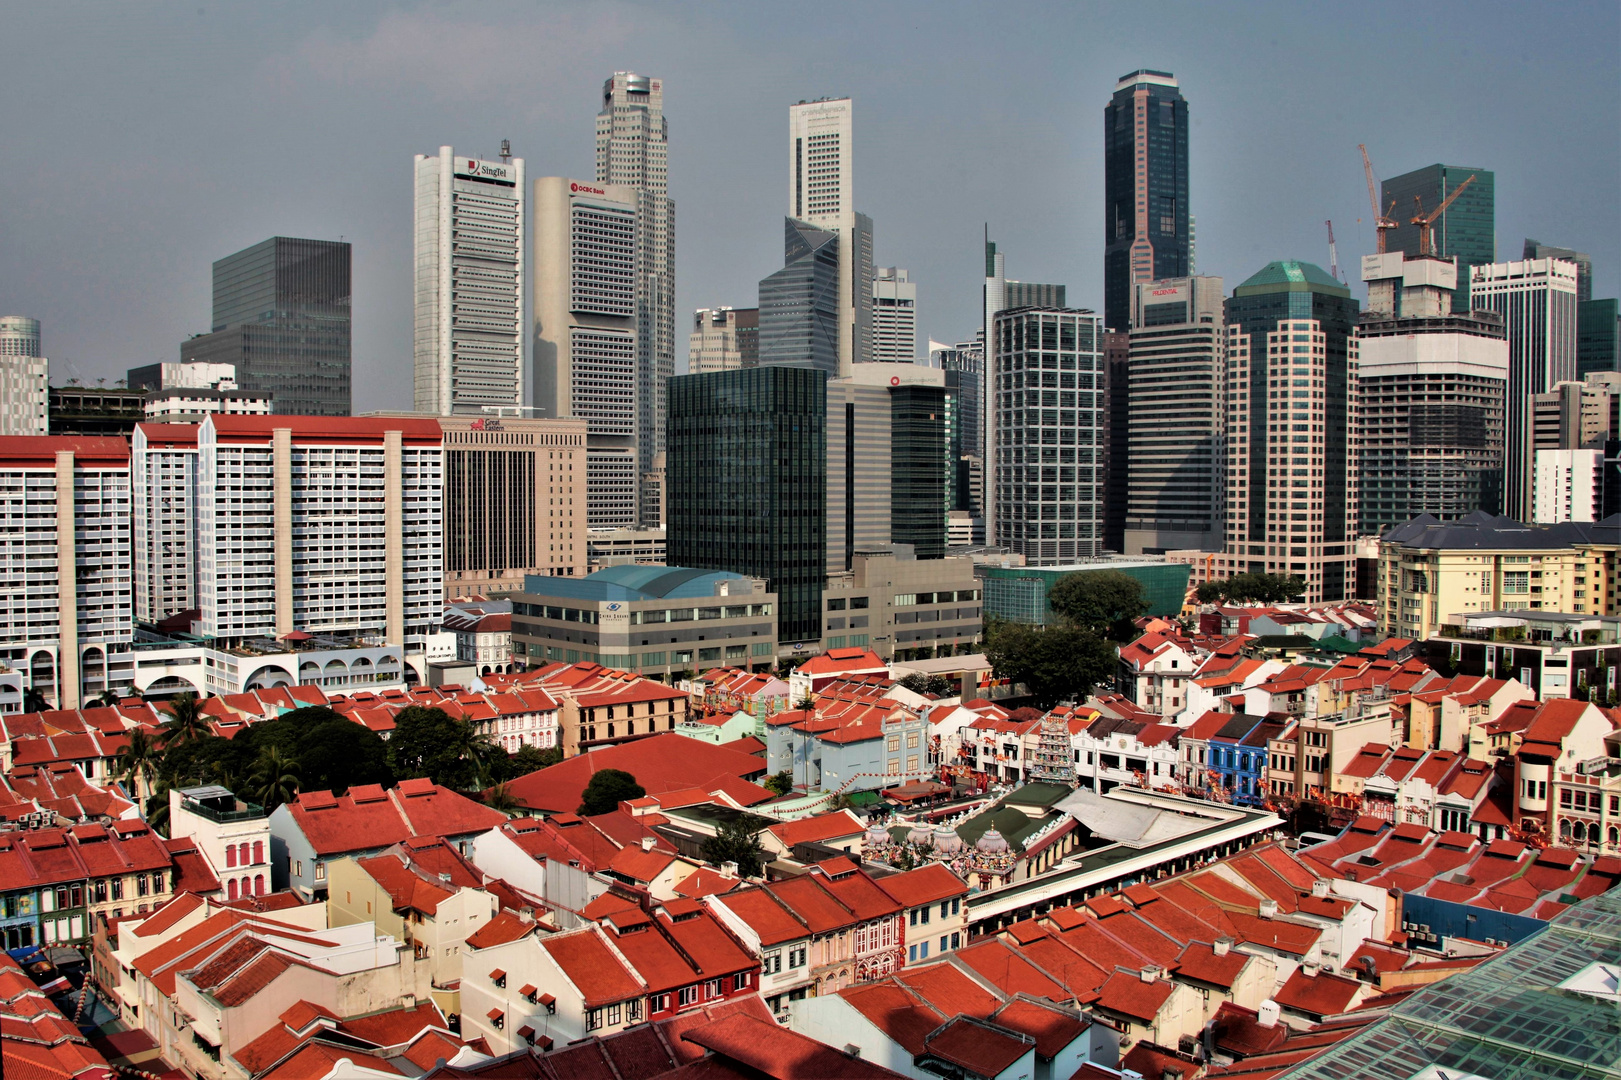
[768, 1049]
[584, 956]
[928, 884]
[660, 763]
[1319, 994]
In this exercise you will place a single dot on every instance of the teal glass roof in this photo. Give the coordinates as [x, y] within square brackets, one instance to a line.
[634, 583]
[1545, 1008]
[1294, 276]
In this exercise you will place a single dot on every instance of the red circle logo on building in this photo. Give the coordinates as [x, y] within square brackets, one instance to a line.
[894, 380]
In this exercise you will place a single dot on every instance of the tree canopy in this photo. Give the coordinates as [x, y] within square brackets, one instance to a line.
[779, 783]
[1253, 588]
[1056, 663]
[428, 742]
[739, 842]
[938, 685]
[1101, 601]
[333, 752]
[607, 789]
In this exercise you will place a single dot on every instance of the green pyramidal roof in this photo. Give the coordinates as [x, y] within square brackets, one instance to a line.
[1293, 276]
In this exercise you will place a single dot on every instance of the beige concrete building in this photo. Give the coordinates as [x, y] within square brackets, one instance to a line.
[514, 501]
[585, 332]
[903, 608]
[1431, 572]
[723, 339]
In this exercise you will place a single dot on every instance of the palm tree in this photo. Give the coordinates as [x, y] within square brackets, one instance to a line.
[499, 798]
[138, 761]
[274, 779]
[475, 748]
[187, 721]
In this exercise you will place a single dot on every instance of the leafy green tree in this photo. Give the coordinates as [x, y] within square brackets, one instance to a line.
[274, 779]
[207, 759]
[607, 789]
[1253, 589]
[780, 783]
[1055, 663]
[430, 742]
[187, 722]
[528, 759]
[34, 701]
[334, 753]
[938, 685]
[736, 841]
[1101, 601]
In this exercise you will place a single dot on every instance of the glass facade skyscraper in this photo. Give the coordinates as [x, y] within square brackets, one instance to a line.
[281, 315]
[1146, 229]
[799, 304]
[1468, 230]
[1598, 337]
[1046, 434]
[748, 483]
[919, 423]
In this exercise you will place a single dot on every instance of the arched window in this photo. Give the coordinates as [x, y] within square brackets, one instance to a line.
[230, 855]
[1564, 829]
[258, 851]
[1615, 835]
[258, 884]
[230, 889]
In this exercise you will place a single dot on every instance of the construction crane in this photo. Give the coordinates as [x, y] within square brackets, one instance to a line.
[1333, 253]
[1423, 220]
[1382, 223]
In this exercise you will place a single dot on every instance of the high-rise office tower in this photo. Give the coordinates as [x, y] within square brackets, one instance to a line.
[1045, 430]
[514, 501]
[470, 349]
[1433, 386]
[821, 193]
[894, 316]
[1002, 294]
[1466, 232]
[24, 378]
[1146, 232]
[1537, 302]
[723, 339]
[1535, 249]
[1176, 372]
[1291, 426]
[1116, 388]
[585, 316]
[281, 316]
[964, 367]
[633, 149]
[748, 483]
[888, 439]
[1573, 415]
[799, 304]
[1598, 336]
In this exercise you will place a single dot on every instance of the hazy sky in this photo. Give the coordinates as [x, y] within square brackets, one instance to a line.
[144, 140]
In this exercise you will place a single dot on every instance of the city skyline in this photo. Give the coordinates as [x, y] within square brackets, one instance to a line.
[1261, 196]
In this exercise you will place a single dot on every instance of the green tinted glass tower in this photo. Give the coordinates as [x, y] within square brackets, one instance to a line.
[1468, 230]
[747, 470]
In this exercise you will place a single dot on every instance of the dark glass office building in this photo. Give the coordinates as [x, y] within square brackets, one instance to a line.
[281, 315]
[919, 479]
[1146, 232]
[965, 384]
[1598, 336]
[747, 478]
[1468, 230]
[799, 304]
